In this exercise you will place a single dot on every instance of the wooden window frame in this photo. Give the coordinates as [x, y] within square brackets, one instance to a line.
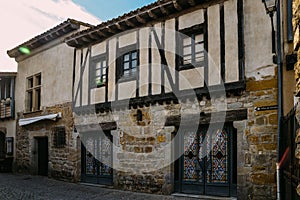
[33, 92]
[191, 33]
[101, 80]
[132, 75]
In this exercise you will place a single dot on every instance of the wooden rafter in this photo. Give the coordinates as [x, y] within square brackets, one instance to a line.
[118, 25]
[164, 10]
[140, 19]
[129, 23]
[176, 5]
[151, 14]
[101, 33]
[94, 36]
[192, 2]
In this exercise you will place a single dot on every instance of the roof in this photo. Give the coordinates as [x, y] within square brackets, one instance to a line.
[60, 30]
[131, 20]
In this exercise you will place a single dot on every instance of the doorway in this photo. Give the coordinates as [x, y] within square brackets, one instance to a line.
[42, 149]
[96, 158]
[208, 164]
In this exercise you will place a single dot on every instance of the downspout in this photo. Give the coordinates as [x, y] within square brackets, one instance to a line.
[279, 82]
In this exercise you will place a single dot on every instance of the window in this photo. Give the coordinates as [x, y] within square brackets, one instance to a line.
[34, 93]
[100, 73]
[59, 140]
[193, 51]
[128, 64]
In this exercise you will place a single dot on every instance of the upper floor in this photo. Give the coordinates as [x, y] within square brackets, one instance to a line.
[172, 48]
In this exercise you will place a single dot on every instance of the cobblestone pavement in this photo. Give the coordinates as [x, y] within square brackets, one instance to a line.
[26, 187]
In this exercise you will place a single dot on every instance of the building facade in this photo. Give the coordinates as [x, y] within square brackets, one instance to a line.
[179, 97]
[45, 140]
[7, 123]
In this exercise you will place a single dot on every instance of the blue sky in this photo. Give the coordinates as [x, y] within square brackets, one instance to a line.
[108, 9]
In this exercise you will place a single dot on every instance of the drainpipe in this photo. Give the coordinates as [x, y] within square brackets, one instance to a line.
[279, 82]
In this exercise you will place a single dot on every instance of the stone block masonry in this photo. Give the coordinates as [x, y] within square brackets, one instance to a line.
[63, 162]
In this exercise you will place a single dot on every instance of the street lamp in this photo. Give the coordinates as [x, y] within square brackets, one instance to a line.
[270, 6]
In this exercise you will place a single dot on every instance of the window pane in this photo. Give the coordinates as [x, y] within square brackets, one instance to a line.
[104, 63]
[126, 65]
[38, 80]
[134, 64]
[126, 57]
[199, 38]
[187, 59]
[98, 72]
[187, 41]
[134, 55]
[199, 57]
[30, 82]
[38, 99]
[187, 51]
[199, 48]
[104, 79]
[104, 71]
[29, 101]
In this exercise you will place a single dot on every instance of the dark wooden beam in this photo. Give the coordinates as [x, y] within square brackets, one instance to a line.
[94, 36]
[110, 30]
[164, 10]
[85, 39]
[129, 23]
[119, 26]
[192, 2]
[205, 118]
[176, 5]
[140, 19]
[101, 33]
[151, 14]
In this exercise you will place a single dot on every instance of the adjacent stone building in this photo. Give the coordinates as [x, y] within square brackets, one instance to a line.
[45, 139]
[7, 120]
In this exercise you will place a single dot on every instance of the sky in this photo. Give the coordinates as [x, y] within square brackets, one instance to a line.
[24, 19]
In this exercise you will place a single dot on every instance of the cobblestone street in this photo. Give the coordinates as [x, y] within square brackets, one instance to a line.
[17, 187]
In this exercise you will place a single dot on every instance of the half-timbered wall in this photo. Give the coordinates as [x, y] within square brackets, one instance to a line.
[220, 31]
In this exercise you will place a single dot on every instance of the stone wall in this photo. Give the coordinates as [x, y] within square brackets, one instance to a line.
[296, 28]
[139, 165]
[64, 163]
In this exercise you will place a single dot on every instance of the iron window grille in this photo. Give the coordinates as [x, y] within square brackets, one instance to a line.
[59, 137]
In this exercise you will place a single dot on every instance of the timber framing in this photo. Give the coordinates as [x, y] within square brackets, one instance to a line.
[159, 10]
[214, 91]
[205, 118]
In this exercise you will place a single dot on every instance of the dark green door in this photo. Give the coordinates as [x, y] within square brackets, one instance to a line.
[42, 156]
[96, 158]
[208, 164]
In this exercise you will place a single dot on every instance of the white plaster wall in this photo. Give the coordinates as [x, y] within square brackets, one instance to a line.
[258, 40]
[98, 95]
[192, 78]
[55, 65]
[231, 41]
[156, 61]
[214, 53]
[127, 90]
[191, 19]
[77, 78]
[144, 62]
[111, 69]
[127, 39]
[85, 80]
[170, 51]
[98, 49]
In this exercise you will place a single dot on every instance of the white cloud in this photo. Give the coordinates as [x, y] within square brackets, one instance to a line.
[24, 19]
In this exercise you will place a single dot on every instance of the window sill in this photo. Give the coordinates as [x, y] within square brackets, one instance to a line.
[191, 66]
[126, 79]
